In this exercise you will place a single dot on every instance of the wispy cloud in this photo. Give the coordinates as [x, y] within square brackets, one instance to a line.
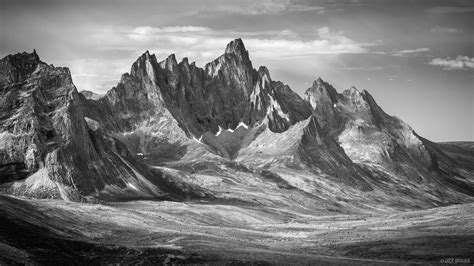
[207, 42]
[175, 29]
[411, 51]
[363, 68]
[279, 34]
[449, 9]
[439, 29]
[201, 44]
[459, 63]
[266, 7]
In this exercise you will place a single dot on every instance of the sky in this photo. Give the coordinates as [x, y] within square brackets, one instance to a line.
[415, 57]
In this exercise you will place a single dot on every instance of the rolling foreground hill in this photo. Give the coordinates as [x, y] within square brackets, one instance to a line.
[220, 164]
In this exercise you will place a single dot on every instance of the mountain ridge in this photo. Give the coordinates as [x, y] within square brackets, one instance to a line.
[166, 125]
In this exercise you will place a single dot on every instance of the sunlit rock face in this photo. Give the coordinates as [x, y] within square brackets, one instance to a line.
[47, 146]
[361, 127]
[172, 130]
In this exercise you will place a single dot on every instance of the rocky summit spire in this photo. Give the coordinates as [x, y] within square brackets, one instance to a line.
[320, 92]
[141, 63]
[263, 71]
[17, 67]
[237, 48]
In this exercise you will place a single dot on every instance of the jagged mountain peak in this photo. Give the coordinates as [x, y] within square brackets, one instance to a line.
[320, 91]
[17, 67]
[144, 61]
[318, 84]
[169, 63]
[235, 55]
[145, 56]
[236, 47]
[263, 71]
[23, 58]
[354, 95]
[353, 89]
[185, 61]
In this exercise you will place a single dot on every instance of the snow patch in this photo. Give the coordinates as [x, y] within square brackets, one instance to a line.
[242, 124]
[198, 140]
[219, 132]
[132, 186]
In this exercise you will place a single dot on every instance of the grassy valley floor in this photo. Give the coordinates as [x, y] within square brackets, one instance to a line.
[53, 231]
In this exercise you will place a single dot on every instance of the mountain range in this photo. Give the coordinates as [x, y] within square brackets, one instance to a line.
[225, 133]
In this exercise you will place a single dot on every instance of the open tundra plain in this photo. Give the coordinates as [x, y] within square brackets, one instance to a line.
[53, 231]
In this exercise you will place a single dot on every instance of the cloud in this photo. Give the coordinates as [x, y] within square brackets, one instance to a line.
[283, 34]
[459, 63]
[363, 68]
[199, 44]
[412, 51]
[206, 43]
[437, 10]
[439, 29]
[265, 7]
[175, 29]
[417, 50]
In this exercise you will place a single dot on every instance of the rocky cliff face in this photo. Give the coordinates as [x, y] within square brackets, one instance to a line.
[355, 120]
[166, 125]
[50, 148]
[199, 103]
